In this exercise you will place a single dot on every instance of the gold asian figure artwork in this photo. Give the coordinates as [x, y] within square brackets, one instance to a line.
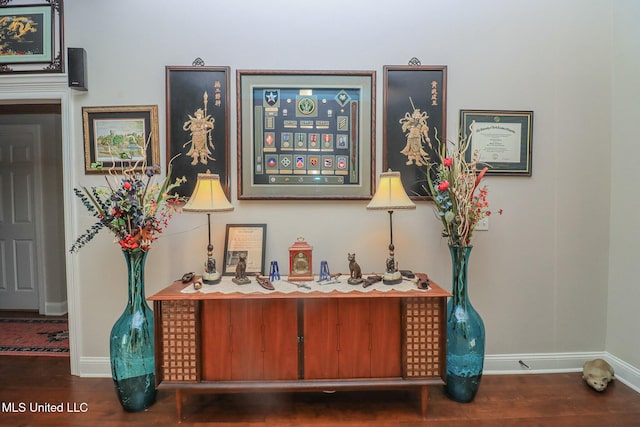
[415, 127]
[200, 127]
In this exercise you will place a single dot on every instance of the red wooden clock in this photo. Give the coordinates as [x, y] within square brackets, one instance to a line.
[300, 261]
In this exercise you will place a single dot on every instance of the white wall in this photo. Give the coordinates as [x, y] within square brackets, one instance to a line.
[623, 333]
[538, 276]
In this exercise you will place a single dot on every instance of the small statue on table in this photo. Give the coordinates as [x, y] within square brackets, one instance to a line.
[355, 277]
[241, 271]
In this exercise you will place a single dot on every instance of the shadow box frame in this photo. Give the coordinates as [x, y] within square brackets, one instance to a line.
[506, 146]
[250, 239]
[185, 95]
[47, 15]
[325, 88]
[405, 88]
[99, 121]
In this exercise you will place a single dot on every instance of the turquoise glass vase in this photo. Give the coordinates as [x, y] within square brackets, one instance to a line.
[465, 333]
[131, 349]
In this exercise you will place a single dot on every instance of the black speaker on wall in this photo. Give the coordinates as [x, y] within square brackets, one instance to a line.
[77, 68]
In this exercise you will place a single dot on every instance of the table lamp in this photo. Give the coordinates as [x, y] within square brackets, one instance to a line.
[391, 196]
[208, 197]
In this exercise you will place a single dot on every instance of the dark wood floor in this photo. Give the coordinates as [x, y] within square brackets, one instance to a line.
[503, 400]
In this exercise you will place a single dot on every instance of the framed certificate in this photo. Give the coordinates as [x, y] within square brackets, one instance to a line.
[246, 241]
[502, 139]
[306, 134]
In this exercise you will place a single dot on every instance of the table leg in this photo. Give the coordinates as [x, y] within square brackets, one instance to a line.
[179, 404]
[424, 400]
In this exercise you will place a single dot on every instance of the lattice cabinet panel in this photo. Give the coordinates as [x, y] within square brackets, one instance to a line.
[179, 340]
[424, 328]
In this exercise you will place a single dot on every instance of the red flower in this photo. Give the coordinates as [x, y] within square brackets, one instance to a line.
[128, 242]
[443, 186]
[126, 185]
[447, 162]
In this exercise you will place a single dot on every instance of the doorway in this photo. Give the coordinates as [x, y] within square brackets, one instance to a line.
[32, 245]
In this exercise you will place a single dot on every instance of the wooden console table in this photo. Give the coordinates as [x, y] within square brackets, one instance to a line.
[299, 340]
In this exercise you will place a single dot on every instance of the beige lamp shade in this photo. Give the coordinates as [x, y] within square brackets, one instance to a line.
[208, 196]
[390, 194]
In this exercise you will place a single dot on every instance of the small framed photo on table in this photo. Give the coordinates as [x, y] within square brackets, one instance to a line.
[246, 242]
[501, 138]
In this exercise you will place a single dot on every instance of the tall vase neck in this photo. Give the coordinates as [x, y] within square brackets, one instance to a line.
[135, 272]
[459, 262]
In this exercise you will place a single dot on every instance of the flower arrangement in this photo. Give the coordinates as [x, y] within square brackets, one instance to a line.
[133, 206]
[460, 201]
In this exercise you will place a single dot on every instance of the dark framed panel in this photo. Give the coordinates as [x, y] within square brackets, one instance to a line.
[414, 120]
[502, 139]
[31, 36]
[197, 124]
[306, 134]
[117, 137]
[248, 240]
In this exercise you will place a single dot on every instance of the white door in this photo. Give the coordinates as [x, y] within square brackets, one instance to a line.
[19, 189]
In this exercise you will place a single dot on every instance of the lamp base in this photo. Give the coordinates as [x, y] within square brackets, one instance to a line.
[392, 278]
[211, 277]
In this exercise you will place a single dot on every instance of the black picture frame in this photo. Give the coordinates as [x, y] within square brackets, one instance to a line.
[502, 139]
[186, 87]
[35, 44]
[249, 239]
[408, 88]
[106, 131]
[330, 112]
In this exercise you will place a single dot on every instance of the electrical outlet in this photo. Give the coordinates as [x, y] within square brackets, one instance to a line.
[483, 224]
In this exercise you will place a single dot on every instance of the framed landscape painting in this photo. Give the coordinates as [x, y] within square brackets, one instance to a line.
[118, 137]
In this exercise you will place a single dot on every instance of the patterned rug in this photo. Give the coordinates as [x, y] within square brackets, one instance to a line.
[34, 336]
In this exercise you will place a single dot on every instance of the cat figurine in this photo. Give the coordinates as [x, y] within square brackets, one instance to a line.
[355, 276]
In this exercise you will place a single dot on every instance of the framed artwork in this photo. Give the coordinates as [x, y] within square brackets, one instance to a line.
[197, 124]
[246, 241]
[414, 121]
[501, 138]
[31, 36]
[306, 134]
[117, 137]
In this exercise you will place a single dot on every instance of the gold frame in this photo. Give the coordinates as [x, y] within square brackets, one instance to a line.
[138, 115]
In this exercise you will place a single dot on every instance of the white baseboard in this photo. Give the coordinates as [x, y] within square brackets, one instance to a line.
[95, 367]
[55, 308]
[538, 363]
[545, 363]
[625, 373]
[496, 364]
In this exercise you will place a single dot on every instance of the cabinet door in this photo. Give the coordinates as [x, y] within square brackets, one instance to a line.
[249, 340]
[247, 343]
[216, 342]
[280, 335]
[386, 329]
[354, 338]
[320, 338]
